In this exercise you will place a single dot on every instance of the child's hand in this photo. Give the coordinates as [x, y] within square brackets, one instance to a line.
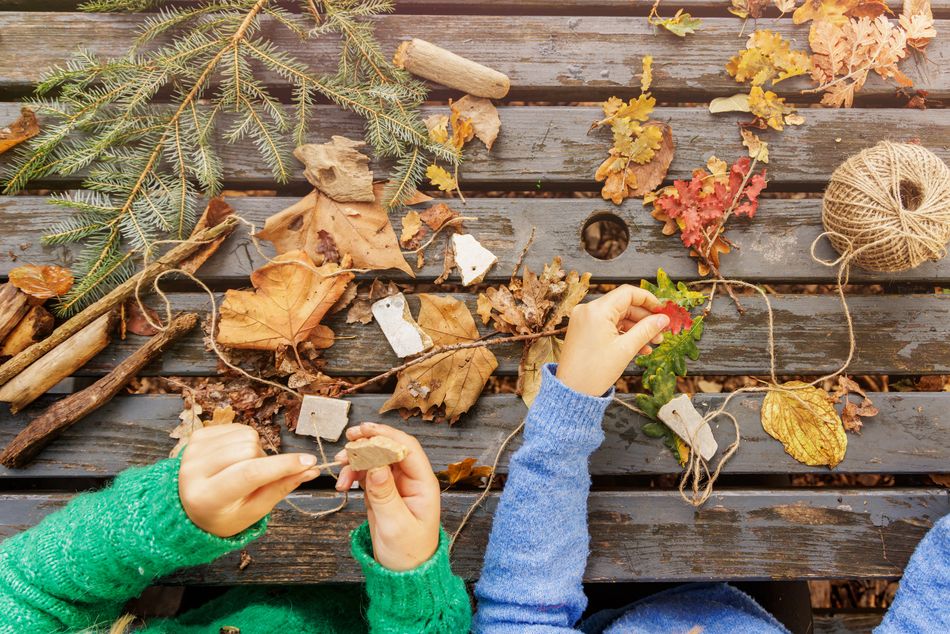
[227, 483]
[402, 501]
[604, 335]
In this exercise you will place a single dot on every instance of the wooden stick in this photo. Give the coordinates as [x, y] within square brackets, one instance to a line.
[445, 67]
[13, 305]
[58, 363]
[64, 413]
[36, 325]
[118, 296]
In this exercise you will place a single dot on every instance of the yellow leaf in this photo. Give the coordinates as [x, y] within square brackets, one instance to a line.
[735, 103]
[465, 472]
[837, 11]
[767, 58]
[411, 225]
[769, 107]
[438, 126]
[804, 420]
[646, 77]
[539, 352]
[646, 144]
[758, 149]
[462, 129]
[439, 177]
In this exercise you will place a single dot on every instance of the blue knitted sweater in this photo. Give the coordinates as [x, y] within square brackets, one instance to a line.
[531, 580]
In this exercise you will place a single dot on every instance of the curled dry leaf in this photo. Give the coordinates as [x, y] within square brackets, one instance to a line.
[464, 472]
[290, 297]
[749, 8]
[338, 169]
[918, 20]
[362, 309]
[852, 413]
[804, 420]
[451, 381]
[42, 282]
[536, 354]
[135, 322]
[646, 75]
[215, 212]
[190, 419]
[360, 230]
[735, 103]
[482, 115]
[26, 127]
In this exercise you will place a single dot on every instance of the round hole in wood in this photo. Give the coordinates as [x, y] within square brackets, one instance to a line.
[605, 235]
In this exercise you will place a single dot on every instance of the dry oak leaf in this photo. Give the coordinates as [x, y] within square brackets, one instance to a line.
[26, 127]
[749, 8]
[440, 177]
[362, 231]
[482, 115]
[767, 58]
[917, 18]
[536, 354]
[451, 380]
[290, 297]
[411, 229]
[804, 420]
[837, 11]
[769, 107]
[464, 472]
[41, 282]
[646, 76]
[758, 149]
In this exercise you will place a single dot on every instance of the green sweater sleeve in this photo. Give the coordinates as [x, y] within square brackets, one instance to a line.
[79, 566]
[426, 600]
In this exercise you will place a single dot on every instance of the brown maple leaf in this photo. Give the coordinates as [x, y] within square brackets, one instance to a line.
[290, 297]
[451, 380]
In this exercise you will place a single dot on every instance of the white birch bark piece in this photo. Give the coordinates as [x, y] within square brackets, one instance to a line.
[401, 330]
[472, 259]
[680, 416]
[323, 416]
[377, 451]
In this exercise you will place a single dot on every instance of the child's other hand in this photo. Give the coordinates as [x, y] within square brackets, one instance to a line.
[604, 335]
[226, 482]
[402, 501]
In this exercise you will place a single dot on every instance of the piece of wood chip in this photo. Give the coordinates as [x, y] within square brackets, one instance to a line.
[378, 451]
[472, 259]
[323, 416]
[338, 169]
[401, 330]
[680, 416]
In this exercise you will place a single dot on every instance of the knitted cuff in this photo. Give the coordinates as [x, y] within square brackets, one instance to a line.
[414, 594]
[565, 418]
[160, 535]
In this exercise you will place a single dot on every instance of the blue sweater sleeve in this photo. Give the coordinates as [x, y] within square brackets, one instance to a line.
[537, 552]
[922, 601]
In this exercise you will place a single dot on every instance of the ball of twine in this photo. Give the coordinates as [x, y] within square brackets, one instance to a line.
[887, 208]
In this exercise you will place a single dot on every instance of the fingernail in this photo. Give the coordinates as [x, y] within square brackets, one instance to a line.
[368, 425]
[379, 475]
[308, 460]
[663, 321]
[339, 486]
[339, 455]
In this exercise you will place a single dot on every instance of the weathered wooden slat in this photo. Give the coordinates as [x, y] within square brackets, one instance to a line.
[896, 334]
[847, 622]
[911, 434]
[635, 535]
[781, 233]
[547, 57]
[548, 147]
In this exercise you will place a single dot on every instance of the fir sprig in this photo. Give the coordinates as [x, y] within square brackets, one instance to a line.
[148, 164]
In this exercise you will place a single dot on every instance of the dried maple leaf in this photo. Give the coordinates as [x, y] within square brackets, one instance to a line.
[481, 115]
[767, 58]
[451, 380]
[41, 282]
[362, 231]
[464, 472]
[758, 149]
[290, 297]
[441, 178]
[802, 417]
[26, 127]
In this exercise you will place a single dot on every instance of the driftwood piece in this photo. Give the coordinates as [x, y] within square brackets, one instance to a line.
[37, 323]
[445, 67]
[58, 363]
[13, 306]
[116, 297]
[368, 453]
[338, 169]
[64, 413]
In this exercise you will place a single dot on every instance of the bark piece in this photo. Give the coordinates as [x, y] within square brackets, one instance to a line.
[117, 296]
[680, 416]
[14, 304]
[472, 259]
[37, 324]
[323, 416]
[378, 451]
[401, 330]
[445, 67]
[58, 363]
[64, 413]
[338, 169]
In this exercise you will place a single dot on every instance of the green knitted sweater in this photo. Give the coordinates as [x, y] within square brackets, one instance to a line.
[78, 567]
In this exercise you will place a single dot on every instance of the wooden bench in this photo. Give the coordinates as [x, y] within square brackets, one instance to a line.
[575, 51]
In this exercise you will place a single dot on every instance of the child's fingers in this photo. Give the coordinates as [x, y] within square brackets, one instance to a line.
[243, 478]
[232, 453]
[416, 463]
[263, 500]
[640, 335]
[622, 298]
[383, 497]
[217, 432]
[346, 478]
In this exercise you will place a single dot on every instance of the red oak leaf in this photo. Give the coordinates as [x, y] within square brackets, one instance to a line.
[679, 316]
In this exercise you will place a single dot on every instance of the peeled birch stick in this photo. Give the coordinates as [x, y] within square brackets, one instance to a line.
[58, 363]
[13, 305]
[445, 67]
[62, 414]
[116, 297]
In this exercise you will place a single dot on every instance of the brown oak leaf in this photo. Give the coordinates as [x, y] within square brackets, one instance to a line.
[464, 472]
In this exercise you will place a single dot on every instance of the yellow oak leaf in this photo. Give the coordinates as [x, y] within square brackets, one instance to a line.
[758, 149]
[462, 129]
[769, 107]
[646, 76]
[411, 226]
[803, 418]
[438, 127]
[681, 24]
[439, 177]
[749, 8]
[290, 297]
[451, 380]
[767, 58]
[838, 11]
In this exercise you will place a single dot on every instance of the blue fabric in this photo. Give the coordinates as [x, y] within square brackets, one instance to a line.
[531, 582]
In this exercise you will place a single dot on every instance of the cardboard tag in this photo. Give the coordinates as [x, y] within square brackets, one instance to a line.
[680, 416]
[472, 259]
[322, 416]
[401, 330]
